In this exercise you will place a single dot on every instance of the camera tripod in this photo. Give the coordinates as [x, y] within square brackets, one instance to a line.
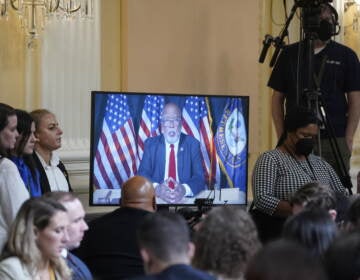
[308, 90]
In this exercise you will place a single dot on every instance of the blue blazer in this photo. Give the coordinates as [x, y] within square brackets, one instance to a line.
[189, 163]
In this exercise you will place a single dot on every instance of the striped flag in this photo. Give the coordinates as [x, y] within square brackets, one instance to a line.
[196, 122]
[150, 120]
[231, 144]
[115, 158]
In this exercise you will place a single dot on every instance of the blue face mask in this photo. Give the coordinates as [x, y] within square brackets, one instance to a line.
[304, 146]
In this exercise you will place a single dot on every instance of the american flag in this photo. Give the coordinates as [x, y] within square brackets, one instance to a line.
[115, 158]
[150, 120]
[196, 122]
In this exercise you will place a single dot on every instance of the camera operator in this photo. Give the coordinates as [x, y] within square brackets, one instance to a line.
[336, 76]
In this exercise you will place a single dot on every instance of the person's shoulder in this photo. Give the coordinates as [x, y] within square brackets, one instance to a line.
[275, 153]
[11, 266]
[11, 261]
[80, 266]
[7, 164]
[154, 139]
[289, 49]
[8, 169]
[292, 46]
[185, 138]
[182, 271]
[144, 277]
[270, 157]
[333, 45]
[317, 159]
[118, 214]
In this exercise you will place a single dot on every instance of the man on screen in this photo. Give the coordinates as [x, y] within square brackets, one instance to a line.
[172, 161]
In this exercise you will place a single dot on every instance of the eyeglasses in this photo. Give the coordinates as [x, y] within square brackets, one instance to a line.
[170, 122]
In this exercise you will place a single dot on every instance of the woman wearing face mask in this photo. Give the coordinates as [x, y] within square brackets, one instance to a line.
[21, 155]
[280, 172]
[12, 189]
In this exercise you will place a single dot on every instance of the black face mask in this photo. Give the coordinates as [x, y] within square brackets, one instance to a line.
[304, 146]
[325, 31]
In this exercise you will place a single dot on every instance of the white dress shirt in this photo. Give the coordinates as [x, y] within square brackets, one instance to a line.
[57, 180]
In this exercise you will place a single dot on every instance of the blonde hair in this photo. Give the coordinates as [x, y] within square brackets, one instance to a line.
[38, 114]
[35, 213]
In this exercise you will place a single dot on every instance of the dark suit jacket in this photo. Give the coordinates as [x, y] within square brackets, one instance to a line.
[189, 162]
[109, 247]
[79, 270]
[178, 272]
[44, 182]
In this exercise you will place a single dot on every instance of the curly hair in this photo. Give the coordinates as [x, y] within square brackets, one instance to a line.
[225, 242]
[316, 195]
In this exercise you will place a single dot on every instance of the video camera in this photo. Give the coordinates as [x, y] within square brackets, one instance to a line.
[313, 24]
[310, 3]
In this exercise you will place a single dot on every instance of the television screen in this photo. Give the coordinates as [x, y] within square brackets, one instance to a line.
[190, 146]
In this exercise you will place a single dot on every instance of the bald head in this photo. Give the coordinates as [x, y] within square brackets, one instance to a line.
[138, 192]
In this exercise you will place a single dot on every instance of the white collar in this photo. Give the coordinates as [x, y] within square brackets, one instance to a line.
[54, 160]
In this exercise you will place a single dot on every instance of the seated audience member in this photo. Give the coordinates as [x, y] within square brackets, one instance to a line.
[353, 216]
[280, 172]
[342, 259]
[21, 155]
[36, 239]
[224, 242]
[166, 249]
[172, 161]
[76, 229]
[323, 197]
[53, 175]
[314, 195]
[284, 260]
[109, 247]
[12, 188]
[314, 229]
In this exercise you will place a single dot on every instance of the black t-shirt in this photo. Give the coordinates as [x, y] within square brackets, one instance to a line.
[341, 74]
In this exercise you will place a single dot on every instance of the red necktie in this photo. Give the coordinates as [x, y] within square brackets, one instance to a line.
[172, 166]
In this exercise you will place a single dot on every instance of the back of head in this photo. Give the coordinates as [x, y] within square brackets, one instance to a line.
[284, 260]
[353, 214]
[138, 192]
[225, 242]
[61, 196]
[312, 228]
[342, 259]
[165, 236]
[315, 195]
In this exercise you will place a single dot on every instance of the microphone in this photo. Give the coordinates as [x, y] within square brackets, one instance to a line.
[279, 44]
[266, 44]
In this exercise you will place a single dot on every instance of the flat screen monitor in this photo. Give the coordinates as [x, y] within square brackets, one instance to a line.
[132, 133]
